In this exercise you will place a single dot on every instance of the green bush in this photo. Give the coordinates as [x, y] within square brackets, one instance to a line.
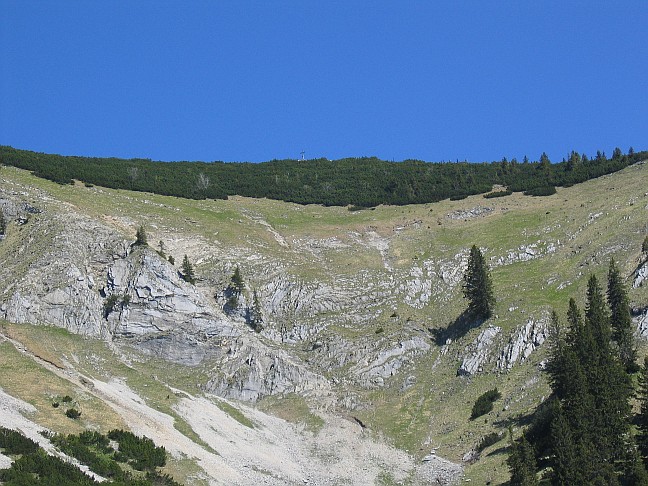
[493, 194]
[541, 191]
[14, 442]
[140, 452]
[484, 403]
[72, 413]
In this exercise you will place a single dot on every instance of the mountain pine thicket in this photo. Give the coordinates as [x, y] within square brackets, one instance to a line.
[362, 182]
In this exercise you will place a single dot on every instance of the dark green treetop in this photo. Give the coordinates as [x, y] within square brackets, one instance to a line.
[140, 237]
[477, 286]
[188, 271]
[620, 318]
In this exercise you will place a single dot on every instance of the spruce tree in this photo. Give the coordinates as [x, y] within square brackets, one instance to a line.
[235, 288]
[140, 237]
[567, 453]
[477, 286]
[608, 383]
[590, 426]
[642, 418]
[522, 463]
[188, 271]
[620, 319]
[237, 281]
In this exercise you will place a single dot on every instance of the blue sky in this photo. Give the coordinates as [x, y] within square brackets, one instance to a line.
[257, 80]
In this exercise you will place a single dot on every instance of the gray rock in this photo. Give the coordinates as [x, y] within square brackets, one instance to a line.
[528, 338]
[478, 352]
[641, 274]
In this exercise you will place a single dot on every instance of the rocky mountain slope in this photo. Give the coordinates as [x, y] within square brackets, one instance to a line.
[364, 345]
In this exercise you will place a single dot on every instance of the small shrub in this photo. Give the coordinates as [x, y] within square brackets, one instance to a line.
[66, 399]
[380, 330]
[493, 194]
[541, 191]
[110, 304]
[55, 404]
[72, 413]
[484, 403]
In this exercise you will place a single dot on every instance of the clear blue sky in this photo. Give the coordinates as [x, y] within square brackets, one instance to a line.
[256, 80]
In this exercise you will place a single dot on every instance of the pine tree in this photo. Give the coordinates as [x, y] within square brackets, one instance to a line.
[140, 237]
[188, 271]
[477, 286]
[620, 319]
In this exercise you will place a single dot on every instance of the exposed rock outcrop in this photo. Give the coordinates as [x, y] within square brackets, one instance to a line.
[640, 275]
[521, 344]
[251, 370]
[479, 351]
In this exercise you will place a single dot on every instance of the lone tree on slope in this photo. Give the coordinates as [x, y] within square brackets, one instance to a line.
[477, 286]
[140, 237]
[188, 271]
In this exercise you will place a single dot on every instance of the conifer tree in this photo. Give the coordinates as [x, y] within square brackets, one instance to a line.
[642, 419]
[620, 319]
[235, 288]
[608, 383]
[237, 281]
[590, 424]
[477, 286]
[567, 453]
[188, 271]
[3, 223]
[256, 314]
[140, 237]
[522, 462]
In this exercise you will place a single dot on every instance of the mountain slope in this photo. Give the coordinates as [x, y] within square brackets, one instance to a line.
[362, 309]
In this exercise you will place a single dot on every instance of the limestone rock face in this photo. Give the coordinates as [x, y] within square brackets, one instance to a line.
[521, 344]
[641, 275]
[56, 269]
[155, 299]
[251, 370]
[479, 351]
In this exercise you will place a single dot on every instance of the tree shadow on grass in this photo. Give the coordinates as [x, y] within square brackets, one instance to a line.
[499, 451]
[457, 329]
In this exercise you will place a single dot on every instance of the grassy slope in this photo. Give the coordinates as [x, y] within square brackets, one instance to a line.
[588, 223]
